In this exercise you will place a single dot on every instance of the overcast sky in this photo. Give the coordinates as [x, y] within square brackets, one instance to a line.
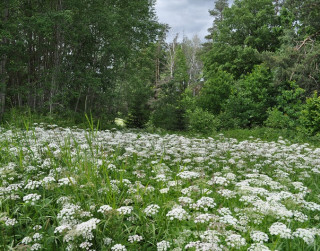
[186, 17]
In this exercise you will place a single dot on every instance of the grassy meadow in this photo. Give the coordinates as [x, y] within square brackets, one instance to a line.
[77, 189]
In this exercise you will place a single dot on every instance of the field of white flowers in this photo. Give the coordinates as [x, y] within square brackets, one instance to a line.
[72, 189]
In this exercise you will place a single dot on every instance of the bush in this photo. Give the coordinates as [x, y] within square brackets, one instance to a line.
[276, 119]
[201, 121]
[310, 115]
[251, 97]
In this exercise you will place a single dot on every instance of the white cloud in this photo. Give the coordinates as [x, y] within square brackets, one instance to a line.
[186, 17]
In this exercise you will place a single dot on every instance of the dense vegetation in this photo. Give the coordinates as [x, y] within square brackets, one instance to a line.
[75, 189]
[259, 66]
[102, 64]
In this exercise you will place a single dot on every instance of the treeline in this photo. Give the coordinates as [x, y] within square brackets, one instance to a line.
[259, 66]
[75, 56]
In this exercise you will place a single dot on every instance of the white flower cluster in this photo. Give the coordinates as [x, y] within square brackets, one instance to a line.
[37, 237]
[163, 246]
[135, 238]
[151, 210]
[32, 184]
[67, 215]
[36, 246]
[258, 247]
[119, 247]
[125, 210]
[31, 198]
[26, 240]
[85, 245]
[105, 209]
[258, 236]
[281, 229]
[184, 201]
[204, 203]
[235, 241]
[85, 228]
[305, 234]
[47, 180]
[67, 181]
[202, 218]
[204, 246]
[224, 211]
[226, 193]
[164, 190]
[177, 213]
[188, 175]
[218, 181]
[228, 219]
[9, 222]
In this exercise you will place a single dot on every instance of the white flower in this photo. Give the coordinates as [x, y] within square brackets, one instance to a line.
[164, 190]
[104, 209]
[204, 203]
[118, 247]
[163, 245]
[36, 246]
[31, 198]
[67, 181]
[135, 238]
[202, 218]
[258, 236]
[178, 213]
[26, 240]
[107, 241]
[85, 245]
[228, 219]
[188, 175]
[62, 228]
[185, 201]
[37, 237]
[235, 241]
[85, 228]
[281, 229]
[125, 210]
[32, 184]
[37, 227]
[306, 234]
[10, 222]
[224, 211]
[258, 247]
[151, 210]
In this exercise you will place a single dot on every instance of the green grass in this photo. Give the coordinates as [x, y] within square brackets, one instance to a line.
[76, 172]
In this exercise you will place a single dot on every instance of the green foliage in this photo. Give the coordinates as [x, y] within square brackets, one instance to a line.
[276, 119]
[201, 121]
[310, 115]
[181, 69]
[246, 29]
[251, 97]
[168, 109]
[216, 91]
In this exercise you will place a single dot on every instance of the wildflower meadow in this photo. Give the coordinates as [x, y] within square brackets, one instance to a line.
[75, 189]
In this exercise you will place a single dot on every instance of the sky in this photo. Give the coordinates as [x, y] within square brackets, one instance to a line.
[186, 17]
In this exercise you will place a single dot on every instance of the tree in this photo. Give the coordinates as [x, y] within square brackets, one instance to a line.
[3, 56]
[251, 97]
[248, 28]
[215, 92]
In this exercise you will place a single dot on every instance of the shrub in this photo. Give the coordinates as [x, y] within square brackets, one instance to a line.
[201, 121]
[310, 115]
[276, 119]
[251, 97]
